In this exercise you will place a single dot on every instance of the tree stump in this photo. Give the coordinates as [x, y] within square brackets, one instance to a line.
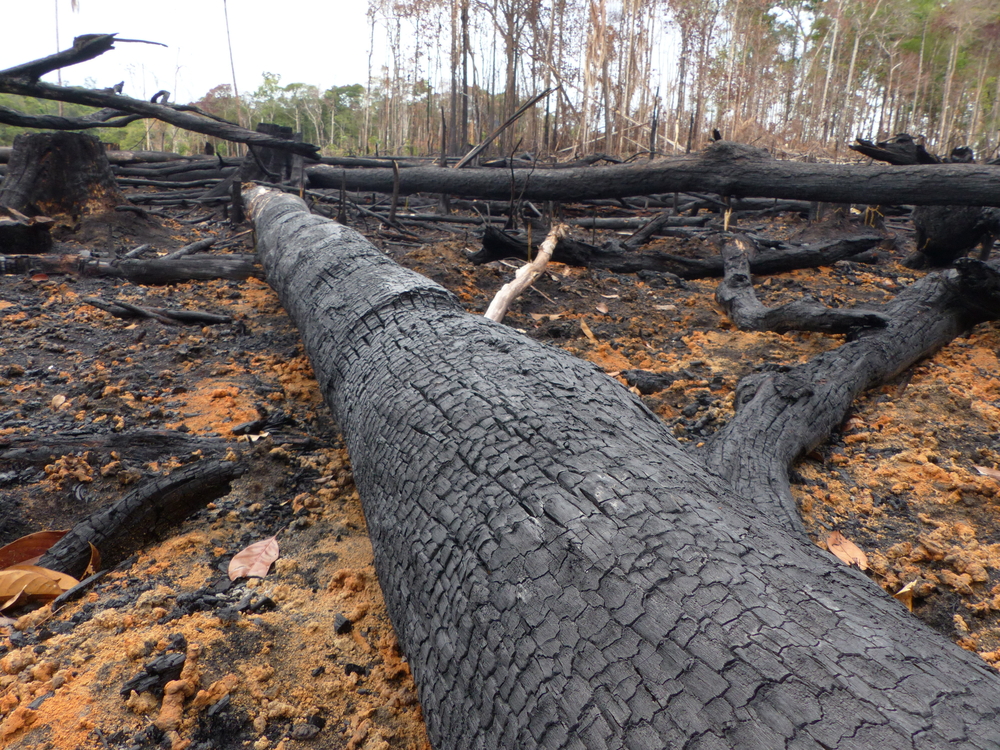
[59, 173]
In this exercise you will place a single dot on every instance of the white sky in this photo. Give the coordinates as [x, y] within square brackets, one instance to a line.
[324, 42]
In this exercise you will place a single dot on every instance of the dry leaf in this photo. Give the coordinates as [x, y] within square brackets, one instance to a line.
[905, 595]
[255, 560]
[58, 401]
[39, 277]
[587, 332]
[29, 548]
[602, 308]
[846, 551]
[666, 308]
[95, 562]
[611, 296]
[20, 583]
[987, 472]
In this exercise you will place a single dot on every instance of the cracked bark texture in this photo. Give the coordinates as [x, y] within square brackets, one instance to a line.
[560, 572]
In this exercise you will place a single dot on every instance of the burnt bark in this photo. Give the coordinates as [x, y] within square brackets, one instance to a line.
[723, 168]
[560, 572]
[59, 173]
[141, 446]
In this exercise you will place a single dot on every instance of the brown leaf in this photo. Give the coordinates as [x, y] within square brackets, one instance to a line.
[602, 308]
[95, 561]
[255, 560]
[20, 583]
[587, 332]
[29, 548]
[987, 472]
[846, 550]
[905, 595]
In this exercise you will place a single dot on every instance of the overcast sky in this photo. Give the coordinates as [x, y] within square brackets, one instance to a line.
[323, 43]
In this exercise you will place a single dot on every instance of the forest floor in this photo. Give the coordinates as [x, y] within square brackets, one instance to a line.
[306, 655]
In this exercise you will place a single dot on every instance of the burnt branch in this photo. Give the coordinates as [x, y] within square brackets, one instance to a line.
[23, 81]
[736, 296]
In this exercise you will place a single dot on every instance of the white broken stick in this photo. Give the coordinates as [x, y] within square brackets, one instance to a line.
[525, 275]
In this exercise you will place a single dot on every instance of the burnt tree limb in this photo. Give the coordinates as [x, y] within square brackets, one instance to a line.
[560, 571]
[105, 118]
[498, 245]
[23, 80]
[804, 403]
[85, 47]
[736, 296]
[723, 168]
[142, 515]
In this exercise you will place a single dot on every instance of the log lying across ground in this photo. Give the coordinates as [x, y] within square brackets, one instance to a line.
[724, 168]
[561, 573]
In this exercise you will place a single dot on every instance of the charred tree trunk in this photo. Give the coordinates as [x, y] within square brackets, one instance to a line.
[560, 572]
[724, 168]
[59, 173]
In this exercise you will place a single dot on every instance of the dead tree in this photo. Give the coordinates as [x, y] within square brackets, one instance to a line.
[562, 573]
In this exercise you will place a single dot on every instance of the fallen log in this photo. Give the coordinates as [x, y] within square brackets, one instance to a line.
[498, 245]
[560, 572]
[154, 271]
[723, 168]
[125, 157]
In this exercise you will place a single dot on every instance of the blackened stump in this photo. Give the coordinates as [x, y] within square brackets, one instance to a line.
[59, 173]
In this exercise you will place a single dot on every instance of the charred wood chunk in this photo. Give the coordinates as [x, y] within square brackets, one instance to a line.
[155, 675]
[24, 234]
[901, 150]
[978, 286]
[946, 233]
